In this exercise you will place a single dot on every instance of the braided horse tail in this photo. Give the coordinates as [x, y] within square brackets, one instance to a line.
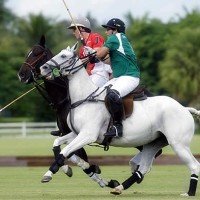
[194, 112]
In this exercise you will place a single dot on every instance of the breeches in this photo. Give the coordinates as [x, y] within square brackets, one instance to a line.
[124, 84]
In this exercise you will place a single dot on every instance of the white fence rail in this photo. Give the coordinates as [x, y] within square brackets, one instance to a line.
[26, 128]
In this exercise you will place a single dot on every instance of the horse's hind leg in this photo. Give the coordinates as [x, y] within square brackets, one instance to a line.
[184, 153]
[144, 161]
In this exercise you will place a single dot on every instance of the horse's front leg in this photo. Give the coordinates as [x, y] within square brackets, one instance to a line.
[56, 150]
[59, 159]
[66, 139]
[92, 171]
[83, 138]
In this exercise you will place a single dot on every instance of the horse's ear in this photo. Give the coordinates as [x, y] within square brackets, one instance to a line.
[42, 41]
[74, 47]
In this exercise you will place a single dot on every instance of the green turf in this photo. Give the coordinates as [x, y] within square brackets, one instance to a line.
[23, 183]
[43, 146]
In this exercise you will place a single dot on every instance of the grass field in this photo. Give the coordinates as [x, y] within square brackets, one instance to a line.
[23, 183]
[43, 146]
[163, 182]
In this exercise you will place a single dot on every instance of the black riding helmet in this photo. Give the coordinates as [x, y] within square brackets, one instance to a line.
[115, 23]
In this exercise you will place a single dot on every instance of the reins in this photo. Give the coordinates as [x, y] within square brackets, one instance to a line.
[89, 98]
[72, 69]
[42, 90]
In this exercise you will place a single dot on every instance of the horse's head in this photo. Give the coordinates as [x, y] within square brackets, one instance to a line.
[65, 63]
[37, 56]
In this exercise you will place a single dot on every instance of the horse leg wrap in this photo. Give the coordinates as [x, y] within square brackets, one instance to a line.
[96, 178]
[78, 161]
[193, 185]
[136, 177]
[93, 172]
[56, 151]
[57, 163]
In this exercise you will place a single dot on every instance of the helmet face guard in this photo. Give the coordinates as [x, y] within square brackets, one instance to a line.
[117, 24]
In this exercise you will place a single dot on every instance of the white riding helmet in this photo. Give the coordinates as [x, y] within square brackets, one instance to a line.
[80, 21]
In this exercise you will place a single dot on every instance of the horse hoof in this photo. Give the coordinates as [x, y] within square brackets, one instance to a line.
[113, 183]
[116, 191]
[69, 172]
[46, 179]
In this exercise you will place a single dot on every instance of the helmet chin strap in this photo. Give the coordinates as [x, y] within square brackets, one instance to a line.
[84, 36]
[82, 30]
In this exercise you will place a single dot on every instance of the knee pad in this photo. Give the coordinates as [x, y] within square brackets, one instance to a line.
[113, 96]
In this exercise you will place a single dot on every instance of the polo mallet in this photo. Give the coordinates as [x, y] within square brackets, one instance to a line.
[82, 40]
[18, 98]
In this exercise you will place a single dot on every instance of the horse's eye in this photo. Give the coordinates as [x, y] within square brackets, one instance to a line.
[63, 56]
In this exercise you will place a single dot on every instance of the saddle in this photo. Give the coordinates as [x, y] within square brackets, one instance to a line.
[138, 94]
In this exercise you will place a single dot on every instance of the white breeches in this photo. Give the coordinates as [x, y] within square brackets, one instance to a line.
[124, 84]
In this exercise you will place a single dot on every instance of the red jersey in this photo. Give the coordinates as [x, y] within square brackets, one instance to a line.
[94, 40]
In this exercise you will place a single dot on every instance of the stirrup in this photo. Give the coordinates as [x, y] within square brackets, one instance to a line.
[112, 132]
[115, 131]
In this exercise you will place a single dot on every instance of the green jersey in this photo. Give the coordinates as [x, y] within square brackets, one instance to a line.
[122, 56]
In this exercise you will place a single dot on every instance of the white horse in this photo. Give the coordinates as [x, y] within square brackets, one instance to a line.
[154, 118]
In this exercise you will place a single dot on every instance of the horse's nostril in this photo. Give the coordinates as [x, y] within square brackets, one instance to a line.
[44, 67]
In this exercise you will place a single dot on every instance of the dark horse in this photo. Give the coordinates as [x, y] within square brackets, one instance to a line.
[55, 92]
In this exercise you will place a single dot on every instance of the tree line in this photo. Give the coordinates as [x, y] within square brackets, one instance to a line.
[168, 56]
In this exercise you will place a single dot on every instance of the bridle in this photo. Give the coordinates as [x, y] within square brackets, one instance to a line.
[32, 65]
[72, 68]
